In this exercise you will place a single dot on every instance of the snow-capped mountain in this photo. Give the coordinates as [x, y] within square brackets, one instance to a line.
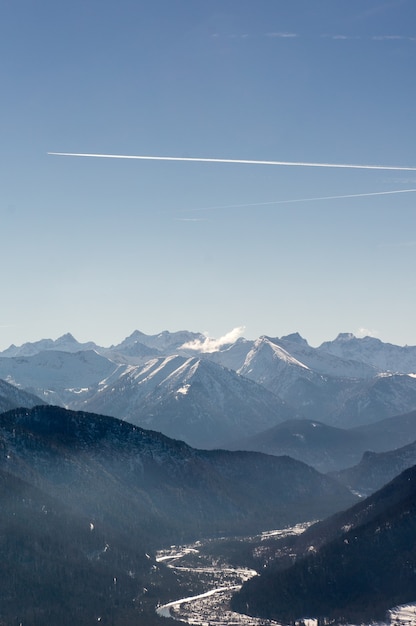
[310, 394]
[375, 399]
[163, 343]
[231, 356]
[345, 383]
[66, 343]
[293, 347]
[56, 376]
[385, 357]
[274, 367]
[340, 399]
[191, 399]
[322, 362]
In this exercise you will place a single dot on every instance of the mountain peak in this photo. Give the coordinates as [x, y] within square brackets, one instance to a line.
[67, 338]
[135, 336]
[345, 337]
[295, 338]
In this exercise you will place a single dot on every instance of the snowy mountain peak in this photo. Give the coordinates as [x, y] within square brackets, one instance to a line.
[385, 357]
[295, 338]
[162, 343]
[269, 352]
[189, 398]
[342, 337]
[66, 343]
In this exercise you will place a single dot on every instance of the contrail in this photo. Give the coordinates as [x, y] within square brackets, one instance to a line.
[350, 195]
[241, 161]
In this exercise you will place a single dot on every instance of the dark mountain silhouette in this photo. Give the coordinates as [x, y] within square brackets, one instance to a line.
[359, 563]
[12, 397]
[376, 469]
[57, 567]
[85, 497]
[328, 448]
[324, 447]
[119, 472]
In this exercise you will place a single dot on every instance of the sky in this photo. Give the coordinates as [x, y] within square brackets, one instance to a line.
[101, 247]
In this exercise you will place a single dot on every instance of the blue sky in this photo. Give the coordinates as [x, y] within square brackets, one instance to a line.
[100, 247]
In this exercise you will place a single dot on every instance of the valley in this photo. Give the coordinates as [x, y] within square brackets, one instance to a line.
[210, 580]
[214, 579]
[207, 335]
[107, 454]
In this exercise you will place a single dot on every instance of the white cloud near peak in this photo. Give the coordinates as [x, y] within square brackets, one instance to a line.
[366, 332]
[212, 345]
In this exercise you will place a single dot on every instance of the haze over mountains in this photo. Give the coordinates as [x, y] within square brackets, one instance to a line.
[328, 448]
[86, 499]
[354, 566]
[95, 449]
[221, 394]
[375, 469]
[12, 397]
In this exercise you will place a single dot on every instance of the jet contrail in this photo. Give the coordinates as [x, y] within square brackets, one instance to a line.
[240, 161]
[350, 195]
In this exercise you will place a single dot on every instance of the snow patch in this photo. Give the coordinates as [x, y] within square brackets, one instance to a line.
[404, 614]
[183, 390]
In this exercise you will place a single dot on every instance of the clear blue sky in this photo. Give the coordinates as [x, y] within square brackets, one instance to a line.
[100, 247]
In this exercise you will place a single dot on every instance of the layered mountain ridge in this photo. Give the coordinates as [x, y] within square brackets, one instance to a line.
[356, 565]
[86, 500]
[212, 393]
[112, 480]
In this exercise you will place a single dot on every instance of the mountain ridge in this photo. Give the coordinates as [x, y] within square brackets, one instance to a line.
[358, 565]
[343, 391]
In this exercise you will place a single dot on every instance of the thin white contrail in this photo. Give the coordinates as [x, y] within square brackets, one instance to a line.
[241, 161]
[272, 202]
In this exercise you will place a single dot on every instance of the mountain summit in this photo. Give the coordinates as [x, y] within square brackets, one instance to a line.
[344, 383]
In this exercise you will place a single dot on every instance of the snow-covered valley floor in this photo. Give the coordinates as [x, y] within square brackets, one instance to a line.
[216, 581]
[220, 581]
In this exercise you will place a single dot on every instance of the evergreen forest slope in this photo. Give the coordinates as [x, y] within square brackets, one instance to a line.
[367, 567]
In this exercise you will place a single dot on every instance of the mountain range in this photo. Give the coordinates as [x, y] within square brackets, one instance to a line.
[99, 466]
[86, 500]
[98, 463]
[189, 398]
[329, 448]
[213, 395]
[376, 469]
